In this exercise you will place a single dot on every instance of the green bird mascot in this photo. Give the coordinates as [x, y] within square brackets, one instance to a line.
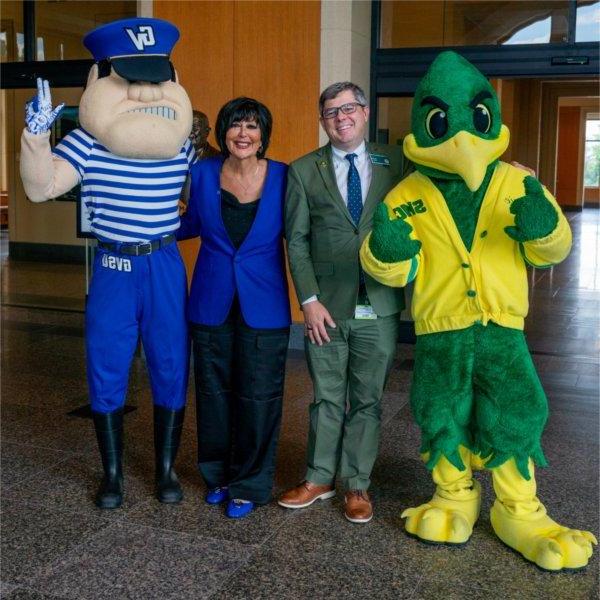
[464, 226]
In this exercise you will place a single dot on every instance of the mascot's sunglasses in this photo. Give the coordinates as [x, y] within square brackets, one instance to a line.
[158, 70]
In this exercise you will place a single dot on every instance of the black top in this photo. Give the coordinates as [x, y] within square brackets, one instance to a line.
[237, 216]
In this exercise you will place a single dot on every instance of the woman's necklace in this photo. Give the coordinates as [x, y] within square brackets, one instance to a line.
[239, 180]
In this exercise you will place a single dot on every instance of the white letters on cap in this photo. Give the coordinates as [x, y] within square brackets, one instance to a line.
[144, 37]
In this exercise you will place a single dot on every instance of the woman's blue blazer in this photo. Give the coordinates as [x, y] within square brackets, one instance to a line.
[256, 271]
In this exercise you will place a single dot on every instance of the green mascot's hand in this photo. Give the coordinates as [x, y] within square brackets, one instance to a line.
[390, 240]
[535, 217]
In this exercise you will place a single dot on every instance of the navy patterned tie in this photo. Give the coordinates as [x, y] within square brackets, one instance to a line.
[355, 209]
[354, 190]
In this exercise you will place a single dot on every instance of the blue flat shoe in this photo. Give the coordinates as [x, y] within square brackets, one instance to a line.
[217, 495]
[237, 509]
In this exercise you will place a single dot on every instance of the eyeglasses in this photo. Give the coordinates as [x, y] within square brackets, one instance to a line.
[347, 109]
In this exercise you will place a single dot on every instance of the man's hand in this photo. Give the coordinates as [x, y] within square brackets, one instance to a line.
[182, 206]
[316, 316]
[39, 115]
[390, 240]
[535, 217]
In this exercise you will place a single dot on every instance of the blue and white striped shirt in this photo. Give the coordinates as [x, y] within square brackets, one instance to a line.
[126, 199]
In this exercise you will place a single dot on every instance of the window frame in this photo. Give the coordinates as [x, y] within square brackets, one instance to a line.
[395, 72]
[595, 117]
[23, 75]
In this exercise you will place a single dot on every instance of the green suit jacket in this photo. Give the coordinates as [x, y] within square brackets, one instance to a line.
[322, 239]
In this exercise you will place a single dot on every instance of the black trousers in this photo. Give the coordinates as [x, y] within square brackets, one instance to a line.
[239, 374]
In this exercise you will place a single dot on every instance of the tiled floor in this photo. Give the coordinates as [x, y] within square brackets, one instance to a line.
[56, 544]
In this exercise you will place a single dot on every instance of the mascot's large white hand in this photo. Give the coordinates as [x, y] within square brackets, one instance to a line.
[39, 114]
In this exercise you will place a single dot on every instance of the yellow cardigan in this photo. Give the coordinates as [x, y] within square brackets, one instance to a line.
[455, 288]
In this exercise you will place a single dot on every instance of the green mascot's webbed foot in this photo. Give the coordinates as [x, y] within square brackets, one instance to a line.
[542, 540]
[390, 241]
[535, 217]
[445, 520]
[520, 520]
[449, 516]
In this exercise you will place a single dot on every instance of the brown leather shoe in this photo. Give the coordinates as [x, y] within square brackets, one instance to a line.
[305, 494]
[358, 506]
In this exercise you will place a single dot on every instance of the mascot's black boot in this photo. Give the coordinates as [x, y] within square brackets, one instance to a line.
[109, 432]
[167, 434]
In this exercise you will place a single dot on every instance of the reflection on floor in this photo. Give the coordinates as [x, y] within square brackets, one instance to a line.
[55, 544]
[41, 285]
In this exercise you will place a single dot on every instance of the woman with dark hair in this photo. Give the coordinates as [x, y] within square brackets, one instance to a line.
[239, 308]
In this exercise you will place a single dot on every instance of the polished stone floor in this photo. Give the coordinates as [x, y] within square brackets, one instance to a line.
[56, 544]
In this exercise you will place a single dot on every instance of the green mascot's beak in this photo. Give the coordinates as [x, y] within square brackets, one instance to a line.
[456, 125]
[465, 154]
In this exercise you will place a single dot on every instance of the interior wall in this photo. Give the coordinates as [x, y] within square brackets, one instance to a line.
[345, 45]
[520, 105]
[527, 124]
[51, 222]
[581, 92]
[266, 50]
[3, 144]
[530, 109]
[568, 184]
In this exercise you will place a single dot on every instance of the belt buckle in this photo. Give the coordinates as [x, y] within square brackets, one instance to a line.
[143, 249]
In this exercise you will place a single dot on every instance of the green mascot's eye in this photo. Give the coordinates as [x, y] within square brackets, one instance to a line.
[436, 123]
[482, 118]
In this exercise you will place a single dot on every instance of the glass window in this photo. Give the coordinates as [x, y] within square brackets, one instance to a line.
[61, 24]
[409, 24]
[591, 170]
[12, 39]
[587, 27]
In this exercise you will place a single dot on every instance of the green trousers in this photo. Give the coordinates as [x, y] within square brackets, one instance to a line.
[478, 388]
[349, 375]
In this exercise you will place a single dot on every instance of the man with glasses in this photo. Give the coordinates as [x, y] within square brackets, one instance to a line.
[351, 321]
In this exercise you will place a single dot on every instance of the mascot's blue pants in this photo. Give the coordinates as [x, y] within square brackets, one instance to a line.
[132, 296]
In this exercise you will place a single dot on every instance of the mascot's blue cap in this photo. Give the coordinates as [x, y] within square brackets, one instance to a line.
[138, 49]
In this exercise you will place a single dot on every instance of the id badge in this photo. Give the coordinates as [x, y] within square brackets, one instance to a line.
[380, 159]
[364, 311]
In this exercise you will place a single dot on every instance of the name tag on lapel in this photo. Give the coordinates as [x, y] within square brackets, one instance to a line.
[380, 159]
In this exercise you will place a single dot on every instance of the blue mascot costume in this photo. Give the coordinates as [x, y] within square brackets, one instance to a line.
[131, 157]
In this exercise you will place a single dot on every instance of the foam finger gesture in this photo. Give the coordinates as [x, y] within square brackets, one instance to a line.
[39, 114]
[535, 217]
[390, 240]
